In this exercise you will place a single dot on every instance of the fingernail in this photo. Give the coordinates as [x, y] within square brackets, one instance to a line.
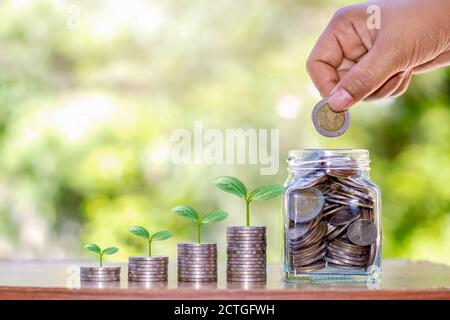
[340, 100]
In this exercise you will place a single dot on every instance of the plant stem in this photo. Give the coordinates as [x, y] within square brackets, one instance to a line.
[149, 248]
[247, 212]
[101, 260]
[198, 233]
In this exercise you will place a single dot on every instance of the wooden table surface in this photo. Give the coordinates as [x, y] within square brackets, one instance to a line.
[60, 280]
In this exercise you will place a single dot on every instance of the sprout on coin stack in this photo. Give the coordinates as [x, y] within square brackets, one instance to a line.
[148, 268]
[101, 273]
[246, 245]
[198, 261]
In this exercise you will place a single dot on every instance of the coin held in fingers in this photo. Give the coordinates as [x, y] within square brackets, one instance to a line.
[327, 122]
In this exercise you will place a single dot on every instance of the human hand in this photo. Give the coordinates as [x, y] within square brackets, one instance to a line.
[351, 62]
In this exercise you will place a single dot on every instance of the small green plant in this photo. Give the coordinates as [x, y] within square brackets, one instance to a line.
[106, 252]
[143, 233]
[191, 214]
[238, 188]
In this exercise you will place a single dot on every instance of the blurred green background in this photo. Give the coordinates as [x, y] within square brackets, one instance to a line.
[90, 92]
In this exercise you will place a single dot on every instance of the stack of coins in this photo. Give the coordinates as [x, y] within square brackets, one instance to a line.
[96, 274]
[146, 269]
[246, 254]
[331, 217]
[197, 262]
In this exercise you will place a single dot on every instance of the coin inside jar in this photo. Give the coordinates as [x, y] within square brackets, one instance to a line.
[362, 232]
[307, 204]
[342, 217]
[327, 122]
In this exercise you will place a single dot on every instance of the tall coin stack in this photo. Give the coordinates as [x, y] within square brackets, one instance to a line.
[148, 269]
[246, 254]
[96, 274]
[197, 262]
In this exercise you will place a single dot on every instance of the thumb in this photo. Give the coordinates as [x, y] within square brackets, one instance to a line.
[365, 77]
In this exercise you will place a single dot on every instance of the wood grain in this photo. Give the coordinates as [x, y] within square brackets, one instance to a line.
[49, 280]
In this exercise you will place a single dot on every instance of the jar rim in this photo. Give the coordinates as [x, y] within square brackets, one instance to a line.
[314, 157]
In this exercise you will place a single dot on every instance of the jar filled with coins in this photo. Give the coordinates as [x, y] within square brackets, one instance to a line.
[332, 227]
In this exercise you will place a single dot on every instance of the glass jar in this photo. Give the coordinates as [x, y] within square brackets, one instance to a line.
[332, 227]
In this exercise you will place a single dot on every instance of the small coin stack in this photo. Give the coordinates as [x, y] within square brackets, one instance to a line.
[148, 269]
[331, 217]
[246, 254]
[197, 262]
[96, 274]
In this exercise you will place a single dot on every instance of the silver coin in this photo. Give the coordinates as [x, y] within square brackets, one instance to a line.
[99, 276]
[246, 242]
[343, 217]
[148, 267]
[246, 272]
[100, 279]
[260, 251]
[188, 252]
[147, 275]
[196, 245]
[251, 257]
[246, 237]
[347, 259]
[197, 266]
[198, 259]
[163, 281]
[141, 279]
[245, 258]
[151, 258]
[362, 232]
[344, 262]
[246, 228]
[148, 264]
[146, 272]
[197, 277]
[327, 122]
[249, 268]
[346, 267]
[197, 262]
[251, 246]
[101, 272]
[100, 269]
[305, 204]
[229, 278]
[195, 274]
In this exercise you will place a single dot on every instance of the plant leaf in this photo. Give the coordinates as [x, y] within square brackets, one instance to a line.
[94, 248]
[140, 232]
[161, 235]
[231, 185]
[109, 251]
[187, 212]
[266, 192]
[214, 216]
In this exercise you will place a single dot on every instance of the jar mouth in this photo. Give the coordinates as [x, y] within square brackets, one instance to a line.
[299, 159]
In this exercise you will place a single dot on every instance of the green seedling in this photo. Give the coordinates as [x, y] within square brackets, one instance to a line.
[191, 214]
[143, 233]
[238, 188]
[106, 252]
